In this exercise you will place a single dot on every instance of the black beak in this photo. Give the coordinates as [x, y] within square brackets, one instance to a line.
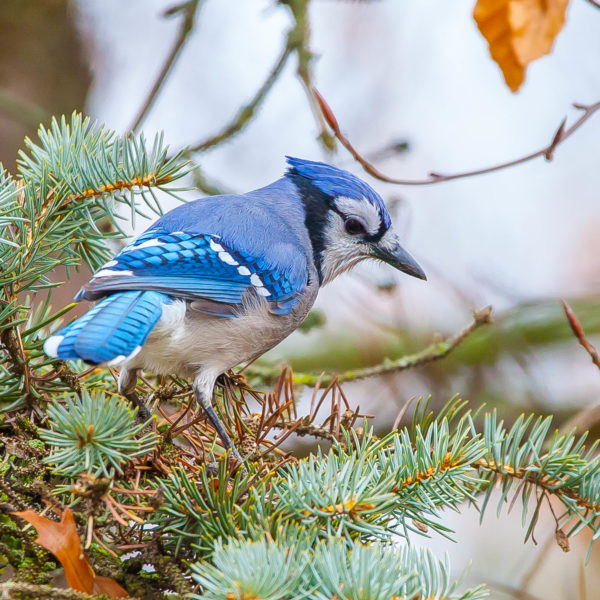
[396, 256]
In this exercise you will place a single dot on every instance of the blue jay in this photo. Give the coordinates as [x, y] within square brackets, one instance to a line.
[221, 280]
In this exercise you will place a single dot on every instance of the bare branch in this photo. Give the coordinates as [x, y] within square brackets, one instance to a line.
[246, 113]
[548, 151]
[296, 43]
[32, 590]
[433, 352]
[189, 10]
[300, 37]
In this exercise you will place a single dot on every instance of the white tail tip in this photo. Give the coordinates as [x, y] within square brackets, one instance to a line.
[51, 345]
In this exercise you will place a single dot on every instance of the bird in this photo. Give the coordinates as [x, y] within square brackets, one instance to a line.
[218, 281]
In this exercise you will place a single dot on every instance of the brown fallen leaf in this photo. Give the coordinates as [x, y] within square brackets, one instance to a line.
[518, 32]
[63, 541]
[109, 587]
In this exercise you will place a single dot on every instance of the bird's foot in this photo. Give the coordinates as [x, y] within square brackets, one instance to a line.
[143, 414]
[224, 436]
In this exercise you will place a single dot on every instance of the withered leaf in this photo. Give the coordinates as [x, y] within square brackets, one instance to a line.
[518, 32]
[562, 540]
[63, 541]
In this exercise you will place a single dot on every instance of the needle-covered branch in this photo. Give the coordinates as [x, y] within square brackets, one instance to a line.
[368, 488]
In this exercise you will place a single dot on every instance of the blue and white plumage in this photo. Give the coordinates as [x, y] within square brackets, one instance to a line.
[221, 280]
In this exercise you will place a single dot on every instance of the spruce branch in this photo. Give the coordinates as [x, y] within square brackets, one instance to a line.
[526, 457]
[367, 488]
[94, 434]
[436, 351]
[296, 568]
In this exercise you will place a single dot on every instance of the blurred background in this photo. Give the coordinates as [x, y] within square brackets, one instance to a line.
[414, 87]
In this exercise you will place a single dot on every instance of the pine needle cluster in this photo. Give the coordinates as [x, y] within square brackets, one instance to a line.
[94, 434]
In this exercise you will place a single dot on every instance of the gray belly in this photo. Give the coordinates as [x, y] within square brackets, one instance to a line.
[186, 340]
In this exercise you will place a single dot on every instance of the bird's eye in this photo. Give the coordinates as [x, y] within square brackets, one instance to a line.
[354, 226]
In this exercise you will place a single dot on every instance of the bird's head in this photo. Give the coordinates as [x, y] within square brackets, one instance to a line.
[347, 220]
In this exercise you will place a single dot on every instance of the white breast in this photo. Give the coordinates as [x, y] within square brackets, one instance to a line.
[186, 340]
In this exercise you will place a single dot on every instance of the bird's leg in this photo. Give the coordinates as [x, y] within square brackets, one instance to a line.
[127, 382]
[203, 390]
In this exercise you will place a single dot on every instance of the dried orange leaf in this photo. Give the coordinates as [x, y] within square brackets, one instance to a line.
[63, 541]
[518, 32]
[109, 587]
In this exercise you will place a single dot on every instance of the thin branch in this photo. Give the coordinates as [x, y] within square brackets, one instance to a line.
[432, 353]
[246, 113]
[559, 137]
[595, 3]
[580, 335]
[296, 42]
[189, 10]
[300, 37]
[32, 590]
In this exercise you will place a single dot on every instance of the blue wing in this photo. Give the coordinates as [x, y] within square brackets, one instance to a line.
[199, 267]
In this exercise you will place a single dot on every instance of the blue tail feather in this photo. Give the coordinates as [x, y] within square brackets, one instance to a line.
[111, 331]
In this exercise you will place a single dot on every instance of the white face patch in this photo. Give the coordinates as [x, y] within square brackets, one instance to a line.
[389, 239]
[368, 214]
[341, 250]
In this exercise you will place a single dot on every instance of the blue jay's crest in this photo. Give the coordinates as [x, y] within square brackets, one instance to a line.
[336, 182]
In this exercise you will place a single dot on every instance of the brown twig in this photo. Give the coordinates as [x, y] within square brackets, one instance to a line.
[189, 10]
[559, 137]
[580, 335]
